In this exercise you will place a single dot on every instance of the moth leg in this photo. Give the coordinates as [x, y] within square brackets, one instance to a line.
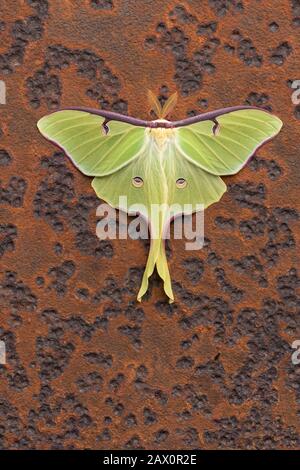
[105, 126]
[216, 127]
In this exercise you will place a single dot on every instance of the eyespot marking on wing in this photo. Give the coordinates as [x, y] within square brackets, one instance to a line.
[137, 182]
[181, 183]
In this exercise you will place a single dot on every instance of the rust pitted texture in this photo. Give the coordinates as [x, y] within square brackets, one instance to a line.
[88, 367]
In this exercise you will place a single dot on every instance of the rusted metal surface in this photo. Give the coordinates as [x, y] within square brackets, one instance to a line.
[88, 367]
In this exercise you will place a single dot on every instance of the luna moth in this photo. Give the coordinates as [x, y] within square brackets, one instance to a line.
[159, 161]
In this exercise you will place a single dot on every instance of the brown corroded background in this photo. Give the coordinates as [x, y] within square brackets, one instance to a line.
[88, 367]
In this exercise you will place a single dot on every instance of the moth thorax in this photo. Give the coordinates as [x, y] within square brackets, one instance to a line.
[161, 135]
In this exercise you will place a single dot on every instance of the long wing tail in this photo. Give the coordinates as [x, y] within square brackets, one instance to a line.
[157, 256]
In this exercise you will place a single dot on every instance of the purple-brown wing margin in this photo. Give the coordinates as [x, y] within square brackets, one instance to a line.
[209, 116]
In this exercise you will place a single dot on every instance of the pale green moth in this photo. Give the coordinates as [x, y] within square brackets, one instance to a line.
[160, 161]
